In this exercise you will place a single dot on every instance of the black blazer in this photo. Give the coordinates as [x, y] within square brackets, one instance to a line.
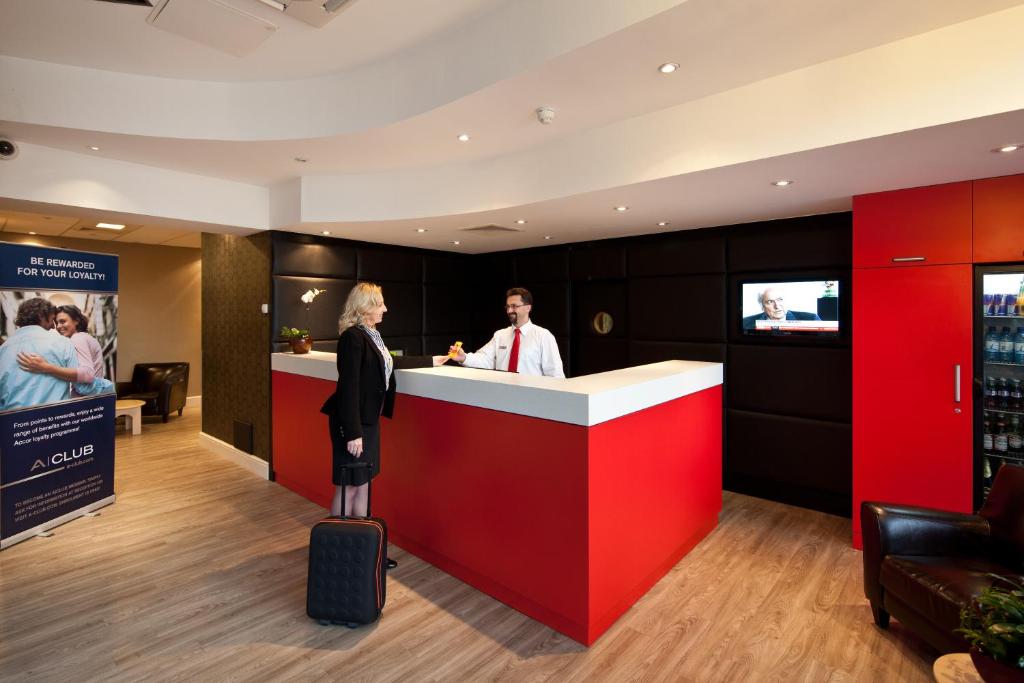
[361, 397]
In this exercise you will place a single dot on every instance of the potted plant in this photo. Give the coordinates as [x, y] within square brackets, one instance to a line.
[994, 626]
[299, 339]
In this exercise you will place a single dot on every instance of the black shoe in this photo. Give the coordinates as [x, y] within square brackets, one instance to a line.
[392, 563]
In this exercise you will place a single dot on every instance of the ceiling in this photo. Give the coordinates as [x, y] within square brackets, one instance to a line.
[55, 225]
[351, 128]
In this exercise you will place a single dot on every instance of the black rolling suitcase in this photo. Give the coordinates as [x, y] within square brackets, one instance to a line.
[347, 566]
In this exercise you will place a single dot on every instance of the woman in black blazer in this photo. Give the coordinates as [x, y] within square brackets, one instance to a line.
[365, 391]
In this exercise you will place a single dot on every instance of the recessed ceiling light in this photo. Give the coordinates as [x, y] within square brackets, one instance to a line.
[668, 67]
[94, 148]
[1009, 148]
[547, 237]
[662, 224]
[301, 160]
[421, 230]
[463, 137]
[326, 232]
[110, 226]
[31, 233]
[620, 209]
[456, 243]
[521, 221]
[782, 183]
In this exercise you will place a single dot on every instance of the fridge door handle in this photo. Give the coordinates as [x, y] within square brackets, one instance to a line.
[907, 259]
[956, 383]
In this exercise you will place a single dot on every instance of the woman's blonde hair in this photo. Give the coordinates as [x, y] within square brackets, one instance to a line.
[363, 298]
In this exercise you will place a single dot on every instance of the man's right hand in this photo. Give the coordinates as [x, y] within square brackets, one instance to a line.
[456, 353]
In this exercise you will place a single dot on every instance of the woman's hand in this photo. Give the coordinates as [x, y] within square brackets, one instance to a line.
[355, 447]
[31, 362]
[441, 360]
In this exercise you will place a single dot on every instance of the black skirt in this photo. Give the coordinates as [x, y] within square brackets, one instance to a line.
[341, 456]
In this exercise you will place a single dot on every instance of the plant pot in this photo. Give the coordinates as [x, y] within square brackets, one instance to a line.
[301, 345]
[992, 671]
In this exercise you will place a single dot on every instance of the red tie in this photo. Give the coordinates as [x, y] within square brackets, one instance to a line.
[513, 360]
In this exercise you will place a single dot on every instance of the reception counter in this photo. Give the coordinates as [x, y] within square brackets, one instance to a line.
[566, 499]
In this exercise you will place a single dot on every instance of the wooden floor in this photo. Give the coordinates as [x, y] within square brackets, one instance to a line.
[198, 572]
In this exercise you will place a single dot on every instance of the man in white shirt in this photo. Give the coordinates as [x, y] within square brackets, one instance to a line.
[523, 347]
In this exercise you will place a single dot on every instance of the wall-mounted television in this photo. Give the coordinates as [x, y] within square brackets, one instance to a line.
[807, 308]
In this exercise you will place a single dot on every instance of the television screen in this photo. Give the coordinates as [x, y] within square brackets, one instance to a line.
[791, 308]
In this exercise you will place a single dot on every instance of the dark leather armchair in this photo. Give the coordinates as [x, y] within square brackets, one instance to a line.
[163, 387]
[922, 566]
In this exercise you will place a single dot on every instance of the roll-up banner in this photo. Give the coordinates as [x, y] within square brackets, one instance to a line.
[58, 357]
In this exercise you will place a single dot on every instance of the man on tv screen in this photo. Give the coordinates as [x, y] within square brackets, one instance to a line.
[773, 309]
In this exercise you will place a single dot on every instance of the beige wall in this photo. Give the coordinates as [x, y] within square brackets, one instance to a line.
[159, 309]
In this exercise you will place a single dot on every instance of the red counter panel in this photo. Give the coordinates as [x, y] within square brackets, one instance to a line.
[566, 523]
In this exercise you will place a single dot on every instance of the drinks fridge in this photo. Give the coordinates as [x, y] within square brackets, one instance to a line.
[999, 372]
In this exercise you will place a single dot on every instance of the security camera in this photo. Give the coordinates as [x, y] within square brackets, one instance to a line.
[8, 150]
[545, 115]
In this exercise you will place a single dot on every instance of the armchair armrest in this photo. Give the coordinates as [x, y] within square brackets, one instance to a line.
[124, 388]
[907, 530]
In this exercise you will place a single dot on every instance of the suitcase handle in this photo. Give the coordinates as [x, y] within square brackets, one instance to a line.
[369, 489]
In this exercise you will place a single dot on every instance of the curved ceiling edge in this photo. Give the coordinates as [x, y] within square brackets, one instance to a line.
[832, 103]
[500, 44]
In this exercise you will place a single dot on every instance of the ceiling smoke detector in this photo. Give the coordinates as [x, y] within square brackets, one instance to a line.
[545, 114]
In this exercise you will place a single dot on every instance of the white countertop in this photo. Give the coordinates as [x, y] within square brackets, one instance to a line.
[586, 400]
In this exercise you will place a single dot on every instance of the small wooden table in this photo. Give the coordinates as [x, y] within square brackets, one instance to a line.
[955, 668]
[132, 410]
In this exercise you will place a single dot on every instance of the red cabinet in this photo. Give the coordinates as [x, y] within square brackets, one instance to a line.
[922, 225]
[999, 219]
[911, 340]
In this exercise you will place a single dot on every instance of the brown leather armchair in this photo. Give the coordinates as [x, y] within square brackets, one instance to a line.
[922, 566]
[163, 387]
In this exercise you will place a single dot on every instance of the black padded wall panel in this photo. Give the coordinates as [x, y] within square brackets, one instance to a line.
[314, 258]
[787, 380]
[598, 261]
[453, 269]
[287, 308]
[793, 243]
[389, 265]
[695, 251]
[543, 265]
[678, 308]
[445, 309]
[592, 298]
[643, 352]
[404, 317]
[550, 306]
[810, 458]
[592, 355]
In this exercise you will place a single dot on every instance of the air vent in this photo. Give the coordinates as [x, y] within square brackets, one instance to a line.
[213, 23]
[140, 3]
[490, 230]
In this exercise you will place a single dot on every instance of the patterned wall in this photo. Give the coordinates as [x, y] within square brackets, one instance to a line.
[236, 337]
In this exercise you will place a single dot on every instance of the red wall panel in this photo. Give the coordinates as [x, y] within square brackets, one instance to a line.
[930, 222]
[999, 219]
[911, 441]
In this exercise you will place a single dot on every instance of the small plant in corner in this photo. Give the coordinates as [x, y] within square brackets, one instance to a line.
[994, 622]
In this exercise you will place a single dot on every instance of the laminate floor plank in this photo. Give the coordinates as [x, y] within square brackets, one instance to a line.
[198, 573]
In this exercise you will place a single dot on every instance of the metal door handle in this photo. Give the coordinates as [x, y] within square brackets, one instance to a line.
[905, 259]
[956, 383]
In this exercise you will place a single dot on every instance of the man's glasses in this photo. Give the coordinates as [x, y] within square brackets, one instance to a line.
[514, 306]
